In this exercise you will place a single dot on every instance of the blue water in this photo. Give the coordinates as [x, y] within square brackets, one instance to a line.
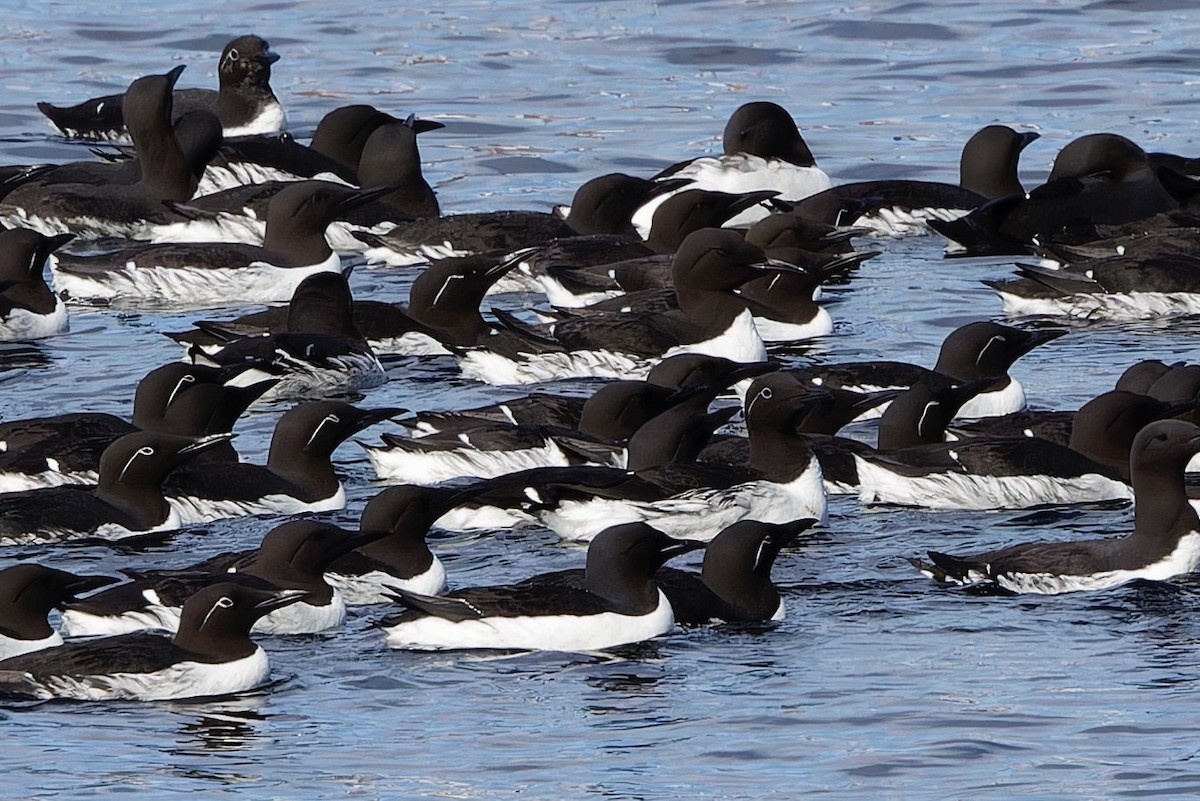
[878, 685]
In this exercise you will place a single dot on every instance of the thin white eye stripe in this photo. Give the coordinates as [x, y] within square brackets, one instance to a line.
[445, 284]
[990, 342]
[145, 450]
[765, 393]
[187, 379]
[925, 411]
[329, 418]
[224, 602]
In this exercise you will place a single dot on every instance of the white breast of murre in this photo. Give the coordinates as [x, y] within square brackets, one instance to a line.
[257, 282]
[24, 324]
[552, 632]
[778, 331]
[154, 615]
[19, 482]
[270, 119]
[372, 587]
[303, 618]
[966, 491]
[897, 222]
[191, 509]
[180, 680]
[12, 646]
[1184, 559]
[696, 514]
[433, 467]
[741, 173]
[1011, 398]
[1124, 306]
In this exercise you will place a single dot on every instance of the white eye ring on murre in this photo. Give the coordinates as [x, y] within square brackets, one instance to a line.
[224, 602]
[329, 418]
[764, 394]
[145, 450]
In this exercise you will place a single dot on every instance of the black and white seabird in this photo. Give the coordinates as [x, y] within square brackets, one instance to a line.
[127, 500]
[401, 558]
[298, 475]
[28, 309]
[244, 102]
[1018, 472]
[292, 556]
[221, 274]
[969, 353]
[320, 352]
[89, 210]
[616, 603]
[987, 170]
[1099, 178]
[710, 318]
[27, 594]
[763, 150]
[211, 655]
[1165, 541]
[181, 399]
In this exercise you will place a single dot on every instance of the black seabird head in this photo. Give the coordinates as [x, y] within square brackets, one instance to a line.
[784, 230]
[23, 254]
[1140, 377]
[450, 290]
[404, 514]
[766, 130]
[298, 215]
[987, 350]
[619, 408]
[737, 564]
[832, 408]
[1106, 154]
[246, 61]
[391, 157]
[28, 592]
[605, 205]
[694, 209]
[322, 304]
[920, 414]
[988, 165]
[1160, 453]
[718, 260]
[1105, 427]
[162, 386]
[147, 105]
[144, 458]
[297, 553]
[621, 562]
[342, 133]
[698, 369]
[313, 430]
[1180, 382]
[215, 622]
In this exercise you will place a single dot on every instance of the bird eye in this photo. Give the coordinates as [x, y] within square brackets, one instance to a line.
[224, 602]
[234, 55]
[766, 393]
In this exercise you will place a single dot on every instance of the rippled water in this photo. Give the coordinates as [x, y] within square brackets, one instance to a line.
[878, 684]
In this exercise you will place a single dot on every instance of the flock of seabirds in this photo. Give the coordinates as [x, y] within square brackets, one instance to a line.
[674, 287]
